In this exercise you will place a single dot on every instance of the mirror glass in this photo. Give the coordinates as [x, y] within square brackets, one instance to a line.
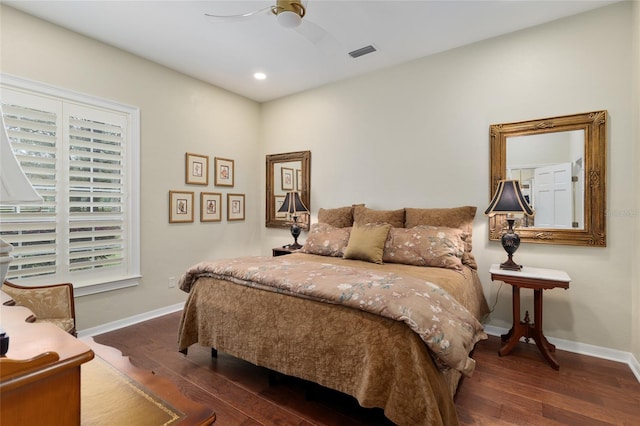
[287, 172]
[560, 163]
[550, 168]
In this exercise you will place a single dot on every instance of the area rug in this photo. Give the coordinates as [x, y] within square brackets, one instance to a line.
[109, 398]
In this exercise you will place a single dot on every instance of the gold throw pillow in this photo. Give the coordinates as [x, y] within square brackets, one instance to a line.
[366, 242]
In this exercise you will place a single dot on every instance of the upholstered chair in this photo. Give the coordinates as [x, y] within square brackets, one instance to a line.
[52, 303]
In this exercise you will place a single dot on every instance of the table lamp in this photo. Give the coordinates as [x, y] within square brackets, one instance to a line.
[15, 189]
[508, 199]
[293, 205]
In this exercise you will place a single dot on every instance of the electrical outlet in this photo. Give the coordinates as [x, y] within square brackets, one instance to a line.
[172, 282]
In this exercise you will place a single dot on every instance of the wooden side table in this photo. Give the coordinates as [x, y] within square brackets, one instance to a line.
[281, 251]
[538, 280]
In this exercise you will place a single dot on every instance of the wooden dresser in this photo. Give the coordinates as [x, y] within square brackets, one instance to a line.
[40, 374]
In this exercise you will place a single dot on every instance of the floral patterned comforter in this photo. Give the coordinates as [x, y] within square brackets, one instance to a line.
[447, 327]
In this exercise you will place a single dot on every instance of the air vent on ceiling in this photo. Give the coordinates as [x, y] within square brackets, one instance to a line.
[362, 51]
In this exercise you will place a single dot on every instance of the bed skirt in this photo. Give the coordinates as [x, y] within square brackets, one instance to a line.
[380, 362]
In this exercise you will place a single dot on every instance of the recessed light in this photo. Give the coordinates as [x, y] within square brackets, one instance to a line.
[259, 76]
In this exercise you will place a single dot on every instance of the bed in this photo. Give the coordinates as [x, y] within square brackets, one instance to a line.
[371, 307]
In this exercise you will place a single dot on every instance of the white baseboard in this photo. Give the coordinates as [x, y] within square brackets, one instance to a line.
[583, 349]
[104, 328]
[635, 366]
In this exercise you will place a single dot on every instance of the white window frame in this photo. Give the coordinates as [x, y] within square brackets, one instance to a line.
[131, 276]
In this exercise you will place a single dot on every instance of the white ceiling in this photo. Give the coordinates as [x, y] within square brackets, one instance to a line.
[177, 34]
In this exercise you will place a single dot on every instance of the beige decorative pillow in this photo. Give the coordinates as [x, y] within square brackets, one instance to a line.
[341, 217]
[363, 215]
[435, 246]
[456, 217]
[366, 242]
[326, 240]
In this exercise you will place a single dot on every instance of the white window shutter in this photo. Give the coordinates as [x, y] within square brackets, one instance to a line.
[32, 229]
[96, 141]
[79, 153]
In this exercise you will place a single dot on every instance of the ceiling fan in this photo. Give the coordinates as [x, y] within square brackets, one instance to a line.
[289, 14]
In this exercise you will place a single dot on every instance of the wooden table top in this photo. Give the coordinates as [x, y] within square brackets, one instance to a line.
[28, 341]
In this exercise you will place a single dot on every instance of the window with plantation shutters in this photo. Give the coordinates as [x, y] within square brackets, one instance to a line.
[96, 191]
[78, 154]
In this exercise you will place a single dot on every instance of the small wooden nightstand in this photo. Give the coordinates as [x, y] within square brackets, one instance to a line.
[281, 251]
[538, 280]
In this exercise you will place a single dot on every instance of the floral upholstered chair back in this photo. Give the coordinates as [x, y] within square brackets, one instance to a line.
[52, 303]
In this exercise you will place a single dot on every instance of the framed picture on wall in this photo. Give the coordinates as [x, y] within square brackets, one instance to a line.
[210, 207]
[197, 169]
[224, 172]
[279, 199]
[287, 179]
[180, 206]
[298, 180]
[235, 206]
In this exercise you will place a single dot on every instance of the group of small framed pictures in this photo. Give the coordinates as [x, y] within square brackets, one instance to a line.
[197, 170]
[181, 203]
[291, 179]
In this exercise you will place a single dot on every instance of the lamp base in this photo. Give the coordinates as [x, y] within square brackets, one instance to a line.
[510, 265]
[4, 342]
[295, 233]
[5, 259]
[510, 242]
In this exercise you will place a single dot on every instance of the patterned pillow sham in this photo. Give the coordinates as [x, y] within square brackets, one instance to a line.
[326, 240]
[363, 215]
[455, 217]
[435, 246]
[340, 217]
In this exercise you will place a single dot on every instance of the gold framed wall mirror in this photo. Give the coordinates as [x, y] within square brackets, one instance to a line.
[561, 165]
[287, 172]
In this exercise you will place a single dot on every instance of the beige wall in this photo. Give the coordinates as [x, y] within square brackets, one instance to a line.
[417, 135]
[178, 115]
[635, 329]
[412, 135]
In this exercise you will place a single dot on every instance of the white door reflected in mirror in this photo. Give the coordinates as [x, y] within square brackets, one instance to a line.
[550, 169]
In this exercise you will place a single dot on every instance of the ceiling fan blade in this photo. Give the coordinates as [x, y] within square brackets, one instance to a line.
[239, 17]
[319, 37]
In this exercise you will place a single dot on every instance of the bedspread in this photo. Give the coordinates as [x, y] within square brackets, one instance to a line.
[379, 361]
[448, 328]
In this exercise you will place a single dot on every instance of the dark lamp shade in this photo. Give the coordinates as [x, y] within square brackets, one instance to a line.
[292, 204]
[508, 199]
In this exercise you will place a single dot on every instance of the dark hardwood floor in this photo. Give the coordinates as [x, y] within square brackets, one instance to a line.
[519, 389]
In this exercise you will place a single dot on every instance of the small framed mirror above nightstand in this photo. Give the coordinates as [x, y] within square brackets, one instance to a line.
[287, 172]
